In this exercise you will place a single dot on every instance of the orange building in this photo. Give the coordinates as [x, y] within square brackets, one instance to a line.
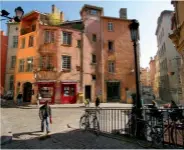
[4, 45]
[145, 77]
[152, 72]
[92, 56]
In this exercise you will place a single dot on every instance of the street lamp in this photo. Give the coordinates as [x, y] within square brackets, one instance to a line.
[134, 29]
[134, 26]
[19, 12]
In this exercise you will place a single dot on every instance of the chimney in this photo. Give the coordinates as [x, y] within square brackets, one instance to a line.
[123, 13]
[53, 9]
[61, 16]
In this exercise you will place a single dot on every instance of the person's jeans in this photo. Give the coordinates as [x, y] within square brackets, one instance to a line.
[43, 122]
[19, 101]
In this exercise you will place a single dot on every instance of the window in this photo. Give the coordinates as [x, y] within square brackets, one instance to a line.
[93, 77]
[110, 26]
[66, 62]
[111, 67]
[33, 27]
[23, 43]
[13, 61]
[110, 45]
[29, 64]
[113, 90]
[11, 82]
[93, 58]
[15, 41]
[46, 62]
[79, 43]
[93, 12]
[49, 37]
[67, 38]
[31, 41]
[21, 65]
[94, 37]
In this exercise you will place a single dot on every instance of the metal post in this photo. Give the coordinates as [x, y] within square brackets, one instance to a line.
[138, 101]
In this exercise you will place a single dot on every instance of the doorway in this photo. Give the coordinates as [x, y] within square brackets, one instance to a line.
[113, 91]
[88, 92]
[27, 92]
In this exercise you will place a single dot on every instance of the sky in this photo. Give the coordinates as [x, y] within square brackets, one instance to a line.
[145, 11]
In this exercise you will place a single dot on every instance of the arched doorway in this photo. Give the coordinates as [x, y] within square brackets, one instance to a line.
[27, 92]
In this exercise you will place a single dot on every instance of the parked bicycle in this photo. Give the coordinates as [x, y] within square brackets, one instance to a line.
[152, 133]
[89, 121]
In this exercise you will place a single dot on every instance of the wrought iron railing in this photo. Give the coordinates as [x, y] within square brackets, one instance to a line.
[117, 121]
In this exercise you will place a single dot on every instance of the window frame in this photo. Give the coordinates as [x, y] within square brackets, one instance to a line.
[111, 50]
[15, 41]
[92, 12]
[23, 42]
[93, 58]
[13, 64]
[67, 39]
[21, 65]
[79, 43]
[93, 77]
[30, 65]
[110, 26]
[111, 66]
[94, 37]
[49, 36]
[31, 44]
[66, 66]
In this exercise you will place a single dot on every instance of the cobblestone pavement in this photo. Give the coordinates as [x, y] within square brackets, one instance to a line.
[26, 127]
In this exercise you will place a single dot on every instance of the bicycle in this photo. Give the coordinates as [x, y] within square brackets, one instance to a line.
[154, 134]
[90, 125]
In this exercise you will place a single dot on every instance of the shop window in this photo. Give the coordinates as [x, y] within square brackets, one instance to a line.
[46, 93]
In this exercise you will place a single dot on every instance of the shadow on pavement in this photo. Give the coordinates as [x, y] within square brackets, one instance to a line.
[17, 135]
[72, 139]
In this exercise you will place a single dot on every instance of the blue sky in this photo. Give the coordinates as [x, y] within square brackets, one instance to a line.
[146, 12]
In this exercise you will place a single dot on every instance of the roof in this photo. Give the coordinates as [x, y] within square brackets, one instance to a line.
[116, 18]
[73, 21]
[160, 18]
[91, 6]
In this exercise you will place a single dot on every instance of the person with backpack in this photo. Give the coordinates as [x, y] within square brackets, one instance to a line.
[45, 116]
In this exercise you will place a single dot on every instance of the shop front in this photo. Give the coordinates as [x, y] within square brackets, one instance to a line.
[47, 92]
[68, 93]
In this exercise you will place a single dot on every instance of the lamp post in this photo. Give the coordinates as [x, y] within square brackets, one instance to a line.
[19, 12]
[134, 26]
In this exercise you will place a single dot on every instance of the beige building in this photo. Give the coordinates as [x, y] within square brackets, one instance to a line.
[145, 77]
[177, 38]
[167, 56]
[12, 33]
[157, 77]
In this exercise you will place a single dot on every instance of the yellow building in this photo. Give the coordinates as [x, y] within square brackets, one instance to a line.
[177, 36]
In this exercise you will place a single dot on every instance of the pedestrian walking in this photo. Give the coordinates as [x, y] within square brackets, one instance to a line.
[45, 116]
[97, 102]
[19, 98]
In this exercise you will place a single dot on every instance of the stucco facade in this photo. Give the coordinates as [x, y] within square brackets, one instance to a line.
[167, 56]
[177, 38]
[12, 32]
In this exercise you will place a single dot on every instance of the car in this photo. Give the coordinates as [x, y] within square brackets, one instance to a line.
[8, 95]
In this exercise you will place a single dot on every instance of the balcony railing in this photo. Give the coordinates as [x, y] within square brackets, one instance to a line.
[47, 48]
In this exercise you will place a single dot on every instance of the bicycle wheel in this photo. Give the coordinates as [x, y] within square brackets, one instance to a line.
[84, 122]
[144, 139]
[96, 126]
[177, 134]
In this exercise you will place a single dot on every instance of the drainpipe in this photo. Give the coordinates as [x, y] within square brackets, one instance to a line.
[81, 61]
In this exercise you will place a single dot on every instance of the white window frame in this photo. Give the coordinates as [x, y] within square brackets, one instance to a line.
[15, 41]
[66, 39]
[11, 82]
[49, 36]
[13, 61]
[111, 66]
[21, 65]
[66, 62]
[110, 26]
[29, 67]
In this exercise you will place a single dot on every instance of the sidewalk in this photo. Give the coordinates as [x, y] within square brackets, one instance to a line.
[6, 133]
[92, 105]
